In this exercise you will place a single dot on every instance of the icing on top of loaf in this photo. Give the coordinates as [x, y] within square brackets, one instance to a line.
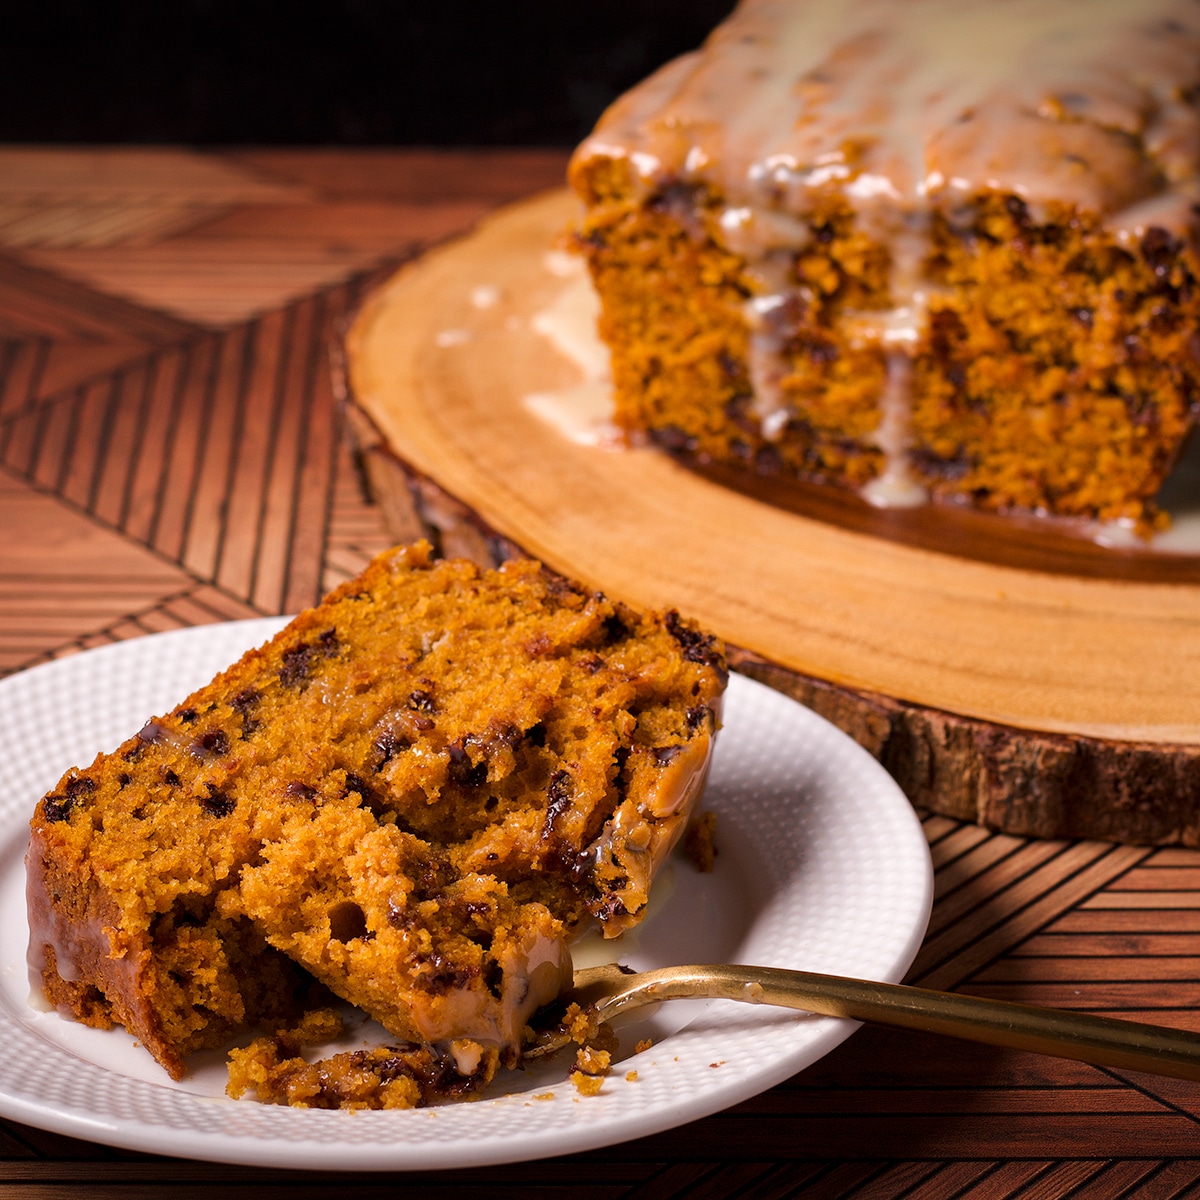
[1088, 102]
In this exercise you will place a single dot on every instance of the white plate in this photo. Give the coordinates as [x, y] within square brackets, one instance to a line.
[822, 865]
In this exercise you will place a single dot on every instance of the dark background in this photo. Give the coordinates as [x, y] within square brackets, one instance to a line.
[350, 72]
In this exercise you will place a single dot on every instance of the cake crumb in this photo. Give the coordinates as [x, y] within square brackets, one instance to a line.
[643, 1046]
[582, 1026]
[591, 1066]
[587, 1085]
[381, 1077]
[699, 842]
[317, 1026]
[593, 1062]
[631, 1076]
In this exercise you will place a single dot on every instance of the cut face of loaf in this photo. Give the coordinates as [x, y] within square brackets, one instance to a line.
[416, 795]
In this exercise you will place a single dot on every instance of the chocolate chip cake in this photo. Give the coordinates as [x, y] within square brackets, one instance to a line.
[415, 797]
[945, 248]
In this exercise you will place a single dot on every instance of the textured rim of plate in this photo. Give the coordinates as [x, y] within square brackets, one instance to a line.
[839, 869]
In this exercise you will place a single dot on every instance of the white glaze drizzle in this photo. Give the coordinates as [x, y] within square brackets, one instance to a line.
[581, 412]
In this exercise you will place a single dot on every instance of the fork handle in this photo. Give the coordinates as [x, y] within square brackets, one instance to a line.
[1106, 1041]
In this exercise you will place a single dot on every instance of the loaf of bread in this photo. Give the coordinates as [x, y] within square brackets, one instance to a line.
[944, 248]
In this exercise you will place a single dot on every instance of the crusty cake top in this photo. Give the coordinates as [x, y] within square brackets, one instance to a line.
[1087, 102]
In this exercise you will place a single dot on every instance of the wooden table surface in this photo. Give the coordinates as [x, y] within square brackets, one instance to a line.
[170, 456]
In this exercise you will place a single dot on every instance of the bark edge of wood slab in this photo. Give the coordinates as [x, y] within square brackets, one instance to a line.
[1015, 778]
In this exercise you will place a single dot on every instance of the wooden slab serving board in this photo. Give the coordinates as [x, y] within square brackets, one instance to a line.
[1014, 677]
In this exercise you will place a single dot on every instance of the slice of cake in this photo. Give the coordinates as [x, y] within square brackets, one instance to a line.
[416, 796]
[926, 249]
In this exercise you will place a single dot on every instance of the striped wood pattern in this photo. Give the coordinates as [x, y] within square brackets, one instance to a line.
[170, 456]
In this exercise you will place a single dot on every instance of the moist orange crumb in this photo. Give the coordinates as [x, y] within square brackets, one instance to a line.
[587, 1085]
[592, 1061]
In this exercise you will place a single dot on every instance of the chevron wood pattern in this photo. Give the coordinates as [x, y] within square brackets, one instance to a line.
[170, 455]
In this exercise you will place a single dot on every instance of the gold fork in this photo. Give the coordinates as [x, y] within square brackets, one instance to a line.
[611, 990]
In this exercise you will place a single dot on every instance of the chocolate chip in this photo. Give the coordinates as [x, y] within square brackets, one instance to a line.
[187, 715]
[299, 791]
[663, 755]
[507, 734]
[822, 353]
[768, 460]
[57, 807]
[368, 797]
[244, 704]
[422, 701]
[939, 466]
[697, 647]
[387, 745]
[210, 744]
[673, 439]
[540, 645]
[217, 803]
[738, 410]
[672, 197]
[297, 663]
[1018, 210]
[615, 628]
[729, 365]
[493, 977]
[445, 976]
[1159, 249]
[611, 906]
[463, 771]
